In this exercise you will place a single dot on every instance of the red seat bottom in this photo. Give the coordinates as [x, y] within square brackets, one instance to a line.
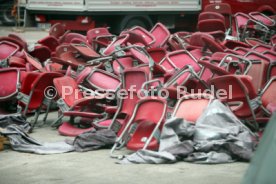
[67, 129]
[143, 132]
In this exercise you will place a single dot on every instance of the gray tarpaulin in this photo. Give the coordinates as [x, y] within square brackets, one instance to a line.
[217, 137]
[93, 140]
[17, 119]
[21, 141]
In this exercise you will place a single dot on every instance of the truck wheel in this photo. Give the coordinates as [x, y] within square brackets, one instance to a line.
[130, 21]
[6, 16]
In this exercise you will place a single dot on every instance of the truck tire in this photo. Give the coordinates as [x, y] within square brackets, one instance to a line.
[130, 21]
[5, 13]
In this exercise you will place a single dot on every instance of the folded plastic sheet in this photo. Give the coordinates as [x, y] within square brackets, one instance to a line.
[217, 137]
[94, 140]
[21, 141]
[17, 119]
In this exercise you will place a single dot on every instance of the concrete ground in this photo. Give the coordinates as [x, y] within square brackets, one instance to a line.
[96, 166]
[30, 34]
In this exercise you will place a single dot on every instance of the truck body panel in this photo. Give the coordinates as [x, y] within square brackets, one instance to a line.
[140, 6]
[84, 14]
[115, 5]
[55, 5]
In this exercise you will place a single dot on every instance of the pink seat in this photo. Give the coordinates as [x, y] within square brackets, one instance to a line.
[191, 106]
[212, 45]
[72, 102]
[262, 18]
[259, 69]
[20, 40]
[149, 38]
[67, 129]
[74, 55]
[241, 20]
[42, 53]
[261, 48]
[62, 48]
[50, 42]
[273, 40]
[253, 41]
[120, 41]
[8, 49]
[57, 30]
[268, 95]
[181, 58]
[232, 44]
[222, 8]
[9, 84]
[239, 95]
[34, 63]
[270, 55]
[85, 51]
[17, 62]
[132, 78]
[20, 45]
[99, 37]
[32, 93]
[210, 25]
[67, 38]
[161, 35]
[157, 54]
[242, 50]
[143, 126]
[210, 15]
[122, 63]
[102, 80]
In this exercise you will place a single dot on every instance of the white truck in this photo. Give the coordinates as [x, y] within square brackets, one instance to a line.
[117, 14]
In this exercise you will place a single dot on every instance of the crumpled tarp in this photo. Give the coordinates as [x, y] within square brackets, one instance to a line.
[21, 141]
[17, 119]
[218, 136]
[93, 140]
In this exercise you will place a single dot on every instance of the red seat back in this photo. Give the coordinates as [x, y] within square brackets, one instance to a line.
[134, 77]
[57, 30]
[270, 55]
[7, 49]
[259, 69]
[210, 15]
[152, 110]
[181, 58]
[37, 83]
[268, 94]
[70, 36]
[261, 48]
[68, 90]
[120, 41]
[209, 25]
[262, 18]
[241, 19]
[161, 35]
[50, 42]
[237, 89]
[190, 107]
[149, 38]
[99, 35]
[157, 54]
[9, 83]
[102, 80]
[42, 53]
[222, 8]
